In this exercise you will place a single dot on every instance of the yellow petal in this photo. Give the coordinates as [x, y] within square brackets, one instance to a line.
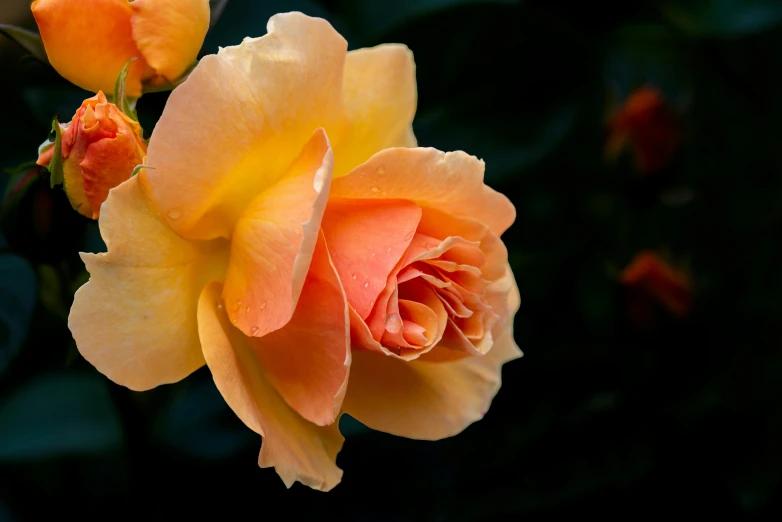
[308, 360]
[425, 400]
[451, 182]
[169, 33]
[237, 123]
[380, 98]
[135, 320]
[89, 41]
[296, 448]
[273, 242]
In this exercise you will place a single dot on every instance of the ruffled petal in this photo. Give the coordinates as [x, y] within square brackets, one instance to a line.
[380, 98]
[367, 239]
[135, 320]
[308, 360]
[235, 126]
[299, 450]
[274, 240]
[451, 182]
[426, 400]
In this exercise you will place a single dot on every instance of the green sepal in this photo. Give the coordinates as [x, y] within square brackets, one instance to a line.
[56, 174]
[29, 40]
[121, 100]
[138, 169]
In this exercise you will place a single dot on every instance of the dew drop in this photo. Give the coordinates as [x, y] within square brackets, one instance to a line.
[263, 305]
[219, 306]
[247, 309]
[393, 323]
[234, 320]
[366, 284]
[354, 276]
[174, 213]
[375, 189]
[388, 250]
[254, 330]
[381, 170]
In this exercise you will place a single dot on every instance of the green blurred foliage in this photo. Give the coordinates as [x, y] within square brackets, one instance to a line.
[598, 417]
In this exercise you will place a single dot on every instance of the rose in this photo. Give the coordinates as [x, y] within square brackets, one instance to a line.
[414, 237]
[100, 148]
[89, 41]
[221, 234]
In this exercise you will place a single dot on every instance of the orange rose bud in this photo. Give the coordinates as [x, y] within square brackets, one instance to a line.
[100, 148]
[646, 123]
[657, 279]
[89, 41]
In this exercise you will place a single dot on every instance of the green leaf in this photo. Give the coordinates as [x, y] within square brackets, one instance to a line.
[59, 414]
[55, 166]
[121, 100]
[723, 18]
[29, 40]
[18, 288]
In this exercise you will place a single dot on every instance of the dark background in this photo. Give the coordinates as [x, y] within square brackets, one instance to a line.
[602, 416]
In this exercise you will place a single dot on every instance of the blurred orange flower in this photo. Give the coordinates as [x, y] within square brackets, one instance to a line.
[89, 41]
[646, 123]
[100, 148]
[655, 278]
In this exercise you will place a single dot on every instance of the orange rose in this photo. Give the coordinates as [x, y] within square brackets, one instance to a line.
[414, 237]
[216, 253]
[89, 41]
[645, 122]
[100, 148]
[650, 276]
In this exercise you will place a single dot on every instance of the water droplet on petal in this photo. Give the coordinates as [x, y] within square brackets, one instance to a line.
[248, 309]
[174, 213]
[393, 323]
[375, 189]
[234, 320]
[219, 306]
[366, 284]
[254, 330]
[263, 305]
[354, 276]
[388, 250]
[381, 170]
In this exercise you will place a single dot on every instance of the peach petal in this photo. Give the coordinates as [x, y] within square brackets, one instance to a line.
[380, 97]
[135, 320]
[308, 360]
[274, 240]
[450, 182]
[234, 127]
[425, 400]
[367, 239]
[169, 33]
[89, 41]
[298, 450]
